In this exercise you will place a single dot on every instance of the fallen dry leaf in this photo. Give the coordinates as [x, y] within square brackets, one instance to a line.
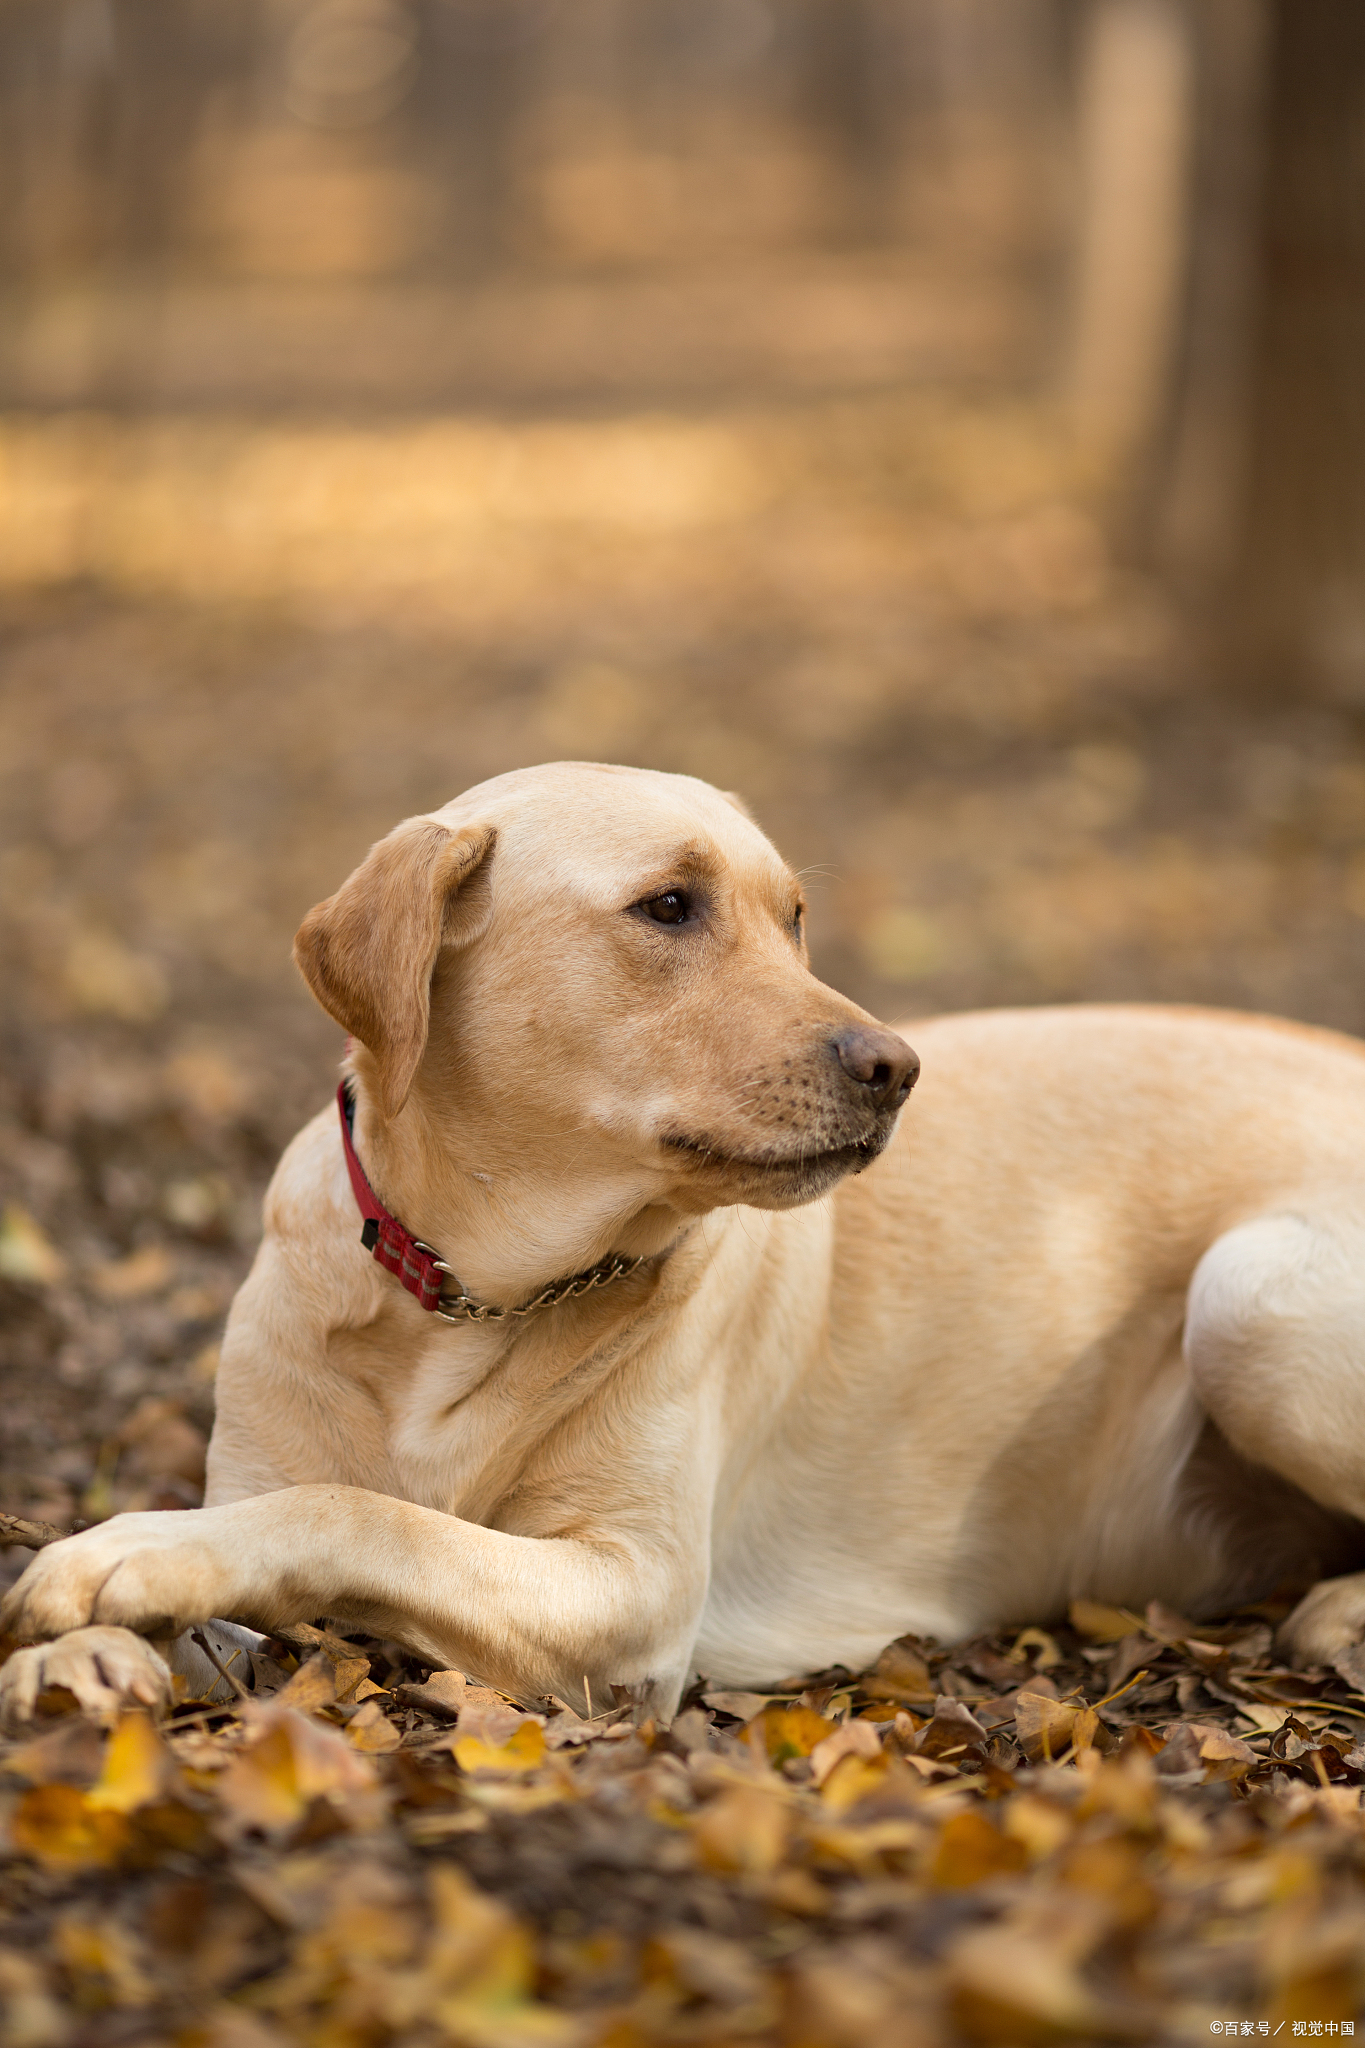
[953, 1731]
[1048, 1728]
[1232, 1757]
[26, 1253]
[290, 1761]
[743, 1705]
[901, 1674]
[789, 1732]
[70, 1754]
[55, 1824]
[148, 1271]
[522, 1751]
[745, 1829]
[1012, 1986]
[971, 1849]
[371, 1731]
[161, 1442]
[443, 1694]
[1102, 1624]
[852, 1738]
[1045, 1653]
[313, 1685]
[138, 1769]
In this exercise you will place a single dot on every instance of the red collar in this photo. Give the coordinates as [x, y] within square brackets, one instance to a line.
[396, 1249]
[421, 1269]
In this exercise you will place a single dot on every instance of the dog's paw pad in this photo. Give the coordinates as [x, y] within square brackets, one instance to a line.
[103, 1670]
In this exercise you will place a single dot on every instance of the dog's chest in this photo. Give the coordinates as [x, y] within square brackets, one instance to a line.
[466, 1424]
[444, 1421]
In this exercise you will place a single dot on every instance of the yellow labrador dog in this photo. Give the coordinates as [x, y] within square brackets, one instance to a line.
[609, 1330]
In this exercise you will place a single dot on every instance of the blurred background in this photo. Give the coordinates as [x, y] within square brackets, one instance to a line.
[941, 420]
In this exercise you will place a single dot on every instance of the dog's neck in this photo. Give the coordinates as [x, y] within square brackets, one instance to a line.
[507, 1234]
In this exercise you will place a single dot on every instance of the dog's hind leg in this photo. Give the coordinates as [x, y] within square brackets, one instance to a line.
[1275, 1342]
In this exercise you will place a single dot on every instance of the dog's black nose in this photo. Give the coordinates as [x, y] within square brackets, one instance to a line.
[879, 1061]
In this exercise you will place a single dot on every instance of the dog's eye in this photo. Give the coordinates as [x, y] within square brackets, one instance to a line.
[672, 907]
[797, 917]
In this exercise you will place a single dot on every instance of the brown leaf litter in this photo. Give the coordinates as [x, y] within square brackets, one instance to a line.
[1128, 1828]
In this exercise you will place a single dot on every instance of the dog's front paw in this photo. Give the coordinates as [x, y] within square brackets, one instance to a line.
[105, 1669]
[1328, 1627]
[156, 1573]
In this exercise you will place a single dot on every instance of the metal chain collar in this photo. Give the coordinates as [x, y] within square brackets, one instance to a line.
[463, 1308]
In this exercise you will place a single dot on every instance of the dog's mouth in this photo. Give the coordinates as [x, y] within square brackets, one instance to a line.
[799, 1175]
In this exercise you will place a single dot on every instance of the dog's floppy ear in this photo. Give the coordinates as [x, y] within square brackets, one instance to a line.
[368, 952]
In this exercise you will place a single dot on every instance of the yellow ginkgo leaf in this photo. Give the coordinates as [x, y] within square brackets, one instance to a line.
[26, 1252]
[294, 1761]
[1101, 1623]
[478, 1947]
[312, 1686]
[524, 1751]
[745, 1829]
[1048, 1729]
[138, 1769]
[789, 1731]
[1041, 1643]
[970, 1849]
[55, 1824]
[260, 1787]
[854, 1778]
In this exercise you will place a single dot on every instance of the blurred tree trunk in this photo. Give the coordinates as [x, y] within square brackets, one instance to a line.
[1257, 486]
[1192, 495]
[845, 61]
[1300, 569]
[1135, 104]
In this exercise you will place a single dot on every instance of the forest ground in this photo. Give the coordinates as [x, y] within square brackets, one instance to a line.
[234, 654]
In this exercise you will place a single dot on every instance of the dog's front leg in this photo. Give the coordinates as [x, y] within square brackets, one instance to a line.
[533, 1614]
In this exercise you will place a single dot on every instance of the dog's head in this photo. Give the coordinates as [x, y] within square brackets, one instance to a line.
[579, 974]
